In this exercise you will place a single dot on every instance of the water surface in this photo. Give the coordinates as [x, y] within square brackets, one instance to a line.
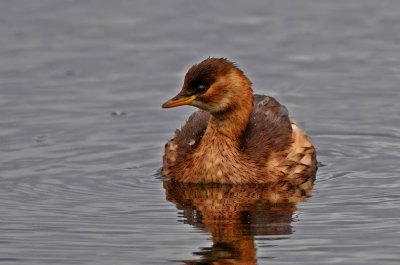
[82, 132]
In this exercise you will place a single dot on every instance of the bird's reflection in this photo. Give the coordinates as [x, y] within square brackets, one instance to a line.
[234, 214]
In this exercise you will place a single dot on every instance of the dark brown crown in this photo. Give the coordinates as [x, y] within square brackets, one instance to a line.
[206, 72]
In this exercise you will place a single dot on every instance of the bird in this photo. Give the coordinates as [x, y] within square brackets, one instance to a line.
[236, 137]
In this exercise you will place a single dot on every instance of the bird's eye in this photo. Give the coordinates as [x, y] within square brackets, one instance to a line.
[201, 88]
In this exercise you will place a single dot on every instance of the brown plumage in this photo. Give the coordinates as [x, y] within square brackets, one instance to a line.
[235, 137]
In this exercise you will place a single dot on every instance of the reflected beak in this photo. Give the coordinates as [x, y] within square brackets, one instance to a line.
[178, 101]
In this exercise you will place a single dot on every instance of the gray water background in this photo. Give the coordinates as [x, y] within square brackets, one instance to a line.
[82, 132]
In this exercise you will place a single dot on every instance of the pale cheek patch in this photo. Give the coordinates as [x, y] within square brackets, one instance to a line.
[217, 96]
[203, 106]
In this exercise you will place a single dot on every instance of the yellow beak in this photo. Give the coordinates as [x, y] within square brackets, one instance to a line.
[178, 102]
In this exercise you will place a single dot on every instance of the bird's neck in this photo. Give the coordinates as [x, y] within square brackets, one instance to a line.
[228, 125]
[231, 124]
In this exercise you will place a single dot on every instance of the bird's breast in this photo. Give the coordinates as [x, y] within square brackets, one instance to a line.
[216, 161]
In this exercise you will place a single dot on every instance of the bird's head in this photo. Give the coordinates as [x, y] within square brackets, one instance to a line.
[215, 85]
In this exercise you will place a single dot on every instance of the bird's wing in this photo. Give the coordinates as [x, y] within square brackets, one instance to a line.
[269, 129]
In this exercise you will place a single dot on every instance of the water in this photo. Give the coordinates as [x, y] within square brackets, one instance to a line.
[82, 132]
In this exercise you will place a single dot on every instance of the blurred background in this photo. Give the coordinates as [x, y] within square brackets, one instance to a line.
[82, 132]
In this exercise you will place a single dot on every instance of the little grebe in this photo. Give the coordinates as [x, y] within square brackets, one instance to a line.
[236, 137]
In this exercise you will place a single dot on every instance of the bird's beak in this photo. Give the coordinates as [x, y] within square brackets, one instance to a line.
[178, 101]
